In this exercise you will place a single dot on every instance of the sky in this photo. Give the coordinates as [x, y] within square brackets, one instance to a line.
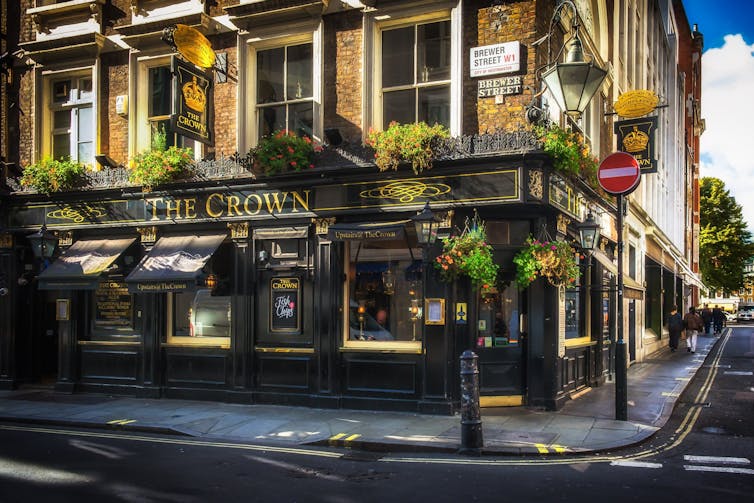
[728, 95]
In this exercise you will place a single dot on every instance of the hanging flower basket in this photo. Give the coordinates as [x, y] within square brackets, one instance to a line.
[553, 260]
[469, 254]
[570, 153]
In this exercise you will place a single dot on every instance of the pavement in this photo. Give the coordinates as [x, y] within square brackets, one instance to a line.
[585, 424]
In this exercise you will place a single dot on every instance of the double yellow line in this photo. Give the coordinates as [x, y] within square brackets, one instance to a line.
[342, 440]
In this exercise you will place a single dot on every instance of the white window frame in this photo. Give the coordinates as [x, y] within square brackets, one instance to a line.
[247, 103]
[73, 104]
[373, 84]
[141, 126]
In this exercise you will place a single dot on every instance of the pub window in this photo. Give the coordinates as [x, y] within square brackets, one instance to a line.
[204, 316]
[414, 68]
[498, 321]
[383, 299]
[113, 309]
[285, 89]
[575, 311]
[69, 118]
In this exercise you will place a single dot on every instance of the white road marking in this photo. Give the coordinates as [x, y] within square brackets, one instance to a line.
[636, 464]
[718, 469]
[717, 459]
[737, 373]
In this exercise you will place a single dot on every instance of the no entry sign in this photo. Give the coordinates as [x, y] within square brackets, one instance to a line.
[619, 173]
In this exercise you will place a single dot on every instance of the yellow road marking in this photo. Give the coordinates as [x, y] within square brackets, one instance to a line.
[542, 448]
[121, 422]
[352, 437]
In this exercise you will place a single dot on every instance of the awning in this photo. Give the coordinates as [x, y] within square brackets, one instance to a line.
[606, 261]
[174, 264]
[375, 231]
[80, 266]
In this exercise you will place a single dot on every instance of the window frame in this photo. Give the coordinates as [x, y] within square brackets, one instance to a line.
[49, 107]
[183, 340]
[247, 104]
[143, 135]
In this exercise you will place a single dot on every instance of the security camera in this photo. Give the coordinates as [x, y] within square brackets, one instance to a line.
[3, 292]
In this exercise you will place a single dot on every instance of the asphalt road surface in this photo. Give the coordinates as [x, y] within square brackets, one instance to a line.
[705, 453]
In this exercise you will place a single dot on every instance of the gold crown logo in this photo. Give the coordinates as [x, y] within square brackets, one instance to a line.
[194, 96]
[636, 140]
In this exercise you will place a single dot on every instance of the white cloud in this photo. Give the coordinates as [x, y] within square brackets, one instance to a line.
[728, 108]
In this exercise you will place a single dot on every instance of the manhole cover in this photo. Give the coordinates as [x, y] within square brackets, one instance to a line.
[714, 430]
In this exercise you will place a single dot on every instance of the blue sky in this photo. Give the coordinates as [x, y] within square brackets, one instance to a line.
[728, 95]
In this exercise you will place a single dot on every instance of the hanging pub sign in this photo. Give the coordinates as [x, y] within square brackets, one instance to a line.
[636, 137]
[285, 305]
[192, 95]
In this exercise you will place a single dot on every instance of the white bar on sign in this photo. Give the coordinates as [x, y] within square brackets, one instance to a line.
[616, 172]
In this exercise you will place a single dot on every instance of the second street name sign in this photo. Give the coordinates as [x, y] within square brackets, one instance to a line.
[503, 86]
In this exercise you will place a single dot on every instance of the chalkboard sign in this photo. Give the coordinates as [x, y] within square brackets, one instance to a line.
[285, 305]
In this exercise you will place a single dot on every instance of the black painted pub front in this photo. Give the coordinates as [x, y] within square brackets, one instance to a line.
[304, 290]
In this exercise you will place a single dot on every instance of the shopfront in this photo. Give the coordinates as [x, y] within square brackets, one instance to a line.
[319, 296]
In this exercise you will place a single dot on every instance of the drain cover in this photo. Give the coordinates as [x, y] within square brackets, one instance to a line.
[714, 430]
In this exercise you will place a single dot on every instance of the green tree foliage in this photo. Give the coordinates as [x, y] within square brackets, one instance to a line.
[724, 242]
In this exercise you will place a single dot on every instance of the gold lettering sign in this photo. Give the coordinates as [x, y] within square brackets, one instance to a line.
[636, 103]
[193, 46]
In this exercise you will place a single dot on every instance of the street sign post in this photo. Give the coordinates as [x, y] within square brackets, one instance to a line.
[619, 174]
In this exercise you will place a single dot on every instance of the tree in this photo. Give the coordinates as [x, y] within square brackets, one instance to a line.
[724, 242]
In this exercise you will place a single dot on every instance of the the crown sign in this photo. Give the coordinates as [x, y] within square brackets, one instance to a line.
[194, 96]
[635, 141]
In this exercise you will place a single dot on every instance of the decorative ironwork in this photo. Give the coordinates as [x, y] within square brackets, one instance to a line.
[536, 183]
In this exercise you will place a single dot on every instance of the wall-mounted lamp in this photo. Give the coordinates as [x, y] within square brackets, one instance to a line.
[43, 243]
[210, 281]
[589, 233]
[574, 82]
[388, 282]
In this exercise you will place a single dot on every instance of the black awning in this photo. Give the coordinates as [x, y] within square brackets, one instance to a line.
[174, 264]
[80, 266]
[377, 231]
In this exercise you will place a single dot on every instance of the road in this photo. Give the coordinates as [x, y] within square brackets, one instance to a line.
[704, 453]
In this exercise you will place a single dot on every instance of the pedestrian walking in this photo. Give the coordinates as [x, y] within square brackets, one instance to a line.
[707, 318]
[718, 319]
[675, 325]
[693, 324]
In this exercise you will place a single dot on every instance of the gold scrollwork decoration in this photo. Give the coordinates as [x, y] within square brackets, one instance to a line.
[536, 186]
[563, 222]
[148, 234]
[65, 238]
[321, 225]
[77, 215]
[239, 230]
[406, 192]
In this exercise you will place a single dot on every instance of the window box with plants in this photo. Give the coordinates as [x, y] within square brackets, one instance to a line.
[570, 153]
[53, 175]
[411, 143]
[161, 164]
[284, 152]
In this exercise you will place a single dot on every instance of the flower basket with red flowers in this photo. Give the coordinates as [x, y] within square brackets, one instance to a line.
[469, 254]
[159, 165]
[284, 151]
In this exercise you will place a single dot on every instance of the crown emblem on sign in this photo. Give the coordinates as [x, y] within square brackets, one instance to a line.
[636, 140]
[194, 96]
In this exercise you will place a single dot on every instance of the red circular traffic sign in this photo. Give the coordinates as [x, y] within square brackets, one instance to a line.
[619, 173]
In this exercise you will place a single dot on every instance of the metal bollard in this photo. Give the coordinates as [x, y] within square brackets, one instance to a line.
[471, 417]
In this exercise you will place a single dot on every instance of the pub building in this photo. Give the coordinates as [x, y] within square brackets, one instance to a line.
[310, 287]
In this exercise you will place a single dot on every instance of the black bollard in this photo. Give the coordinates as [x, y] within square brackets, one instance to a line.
[471, 417]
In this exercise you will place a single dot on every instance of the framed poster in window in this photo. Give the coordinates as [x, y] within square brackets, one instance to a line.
[435, 311]
[62, 310]
[285, 305]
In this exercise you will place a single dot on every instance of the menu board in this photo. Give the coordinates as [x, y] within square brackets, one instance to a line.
[285, 305]
[113, 305]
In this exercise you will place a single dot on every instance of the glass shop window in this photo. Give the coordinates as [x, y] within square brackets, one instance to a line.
[204, 316]
[384, 303]
[499, 320]
[575, 311]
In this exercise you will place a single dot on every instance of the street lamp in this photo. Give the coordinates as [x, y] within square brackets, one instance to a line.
[574, 82]
[426, 225]
[43, 243]
[589, 233]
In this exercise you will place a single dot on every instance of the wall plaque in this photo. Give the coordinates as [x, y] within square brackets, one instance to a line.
[285, 305]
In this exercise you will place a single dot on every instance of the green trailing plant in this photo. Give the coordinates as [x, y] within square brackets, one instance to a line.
[284, 151]
[570, 153]
[469, 254]
[553, 260]
[160, 164]
[412, 143]
[52, 175]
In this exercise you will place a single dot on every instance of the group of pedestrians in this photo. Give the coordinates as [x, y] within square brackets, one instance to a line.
[693, 323]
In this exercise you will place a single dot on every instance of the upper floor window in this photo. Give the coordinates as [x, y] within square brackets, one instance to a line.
[415, 73]
[70, 121]
[285, 90]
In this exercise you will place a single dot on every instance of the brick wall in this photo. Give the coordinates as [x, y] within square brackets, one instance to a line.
[113, 127]
[343, 74]
[226, 104]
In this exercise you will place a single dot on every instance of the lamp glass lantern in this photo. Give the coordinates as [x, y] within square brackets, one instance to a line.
[589, 233]
[426, 226]
[43, 243]
[574, 83]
